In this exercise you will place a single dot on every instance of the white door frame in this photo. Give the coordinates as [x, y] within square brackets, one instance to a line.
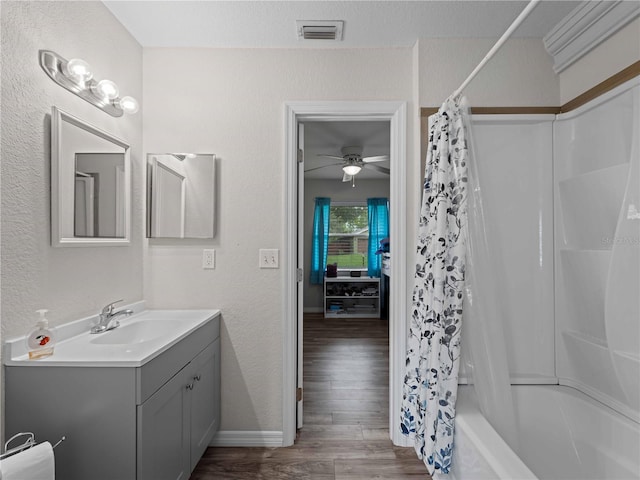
[396, 114]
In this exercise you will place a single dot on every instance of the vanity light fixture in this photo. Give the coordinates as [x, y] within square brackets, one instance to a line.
[129, 105]
[351, 169]
[105, 90]
[76, 76]
[78, 70]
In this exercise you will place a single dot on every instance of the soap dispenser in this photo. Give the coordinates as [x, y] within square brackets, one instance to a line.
[41, 340]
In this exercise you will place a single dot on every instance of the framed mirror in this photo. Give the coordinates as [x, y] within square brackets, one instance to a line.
[181, 195]
[90, 184]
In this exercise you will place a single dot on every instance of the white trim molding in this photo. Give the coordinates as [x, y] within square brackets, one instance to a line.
[586, 26]
[241, 438]
[395, 113]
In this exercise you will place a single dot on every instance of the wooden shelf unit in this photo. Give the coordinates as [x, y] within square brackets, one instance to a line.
[351, 297]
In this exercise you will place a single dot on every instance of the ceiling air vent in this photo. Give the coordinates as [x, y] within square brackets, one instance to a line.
[319, 29]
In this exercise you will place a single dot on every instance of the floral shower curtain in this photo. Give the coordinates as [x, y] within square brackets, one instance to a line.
[433, 346]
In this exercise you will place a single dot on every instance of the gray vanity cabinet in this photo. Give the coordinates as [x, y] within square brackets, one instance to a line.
[150, 422]
[204, 420]
[176, 424]
[163, 432]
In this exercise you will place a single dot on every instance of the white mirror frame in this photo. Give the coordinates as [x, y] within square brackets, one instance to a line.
[62, 213]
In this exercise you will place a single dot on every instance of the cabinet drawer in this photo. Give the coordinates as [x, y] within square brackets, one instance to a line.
[151, 376]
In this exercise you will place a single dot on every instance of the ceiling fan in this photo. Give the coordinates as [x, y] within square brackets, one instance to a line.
[352, 162]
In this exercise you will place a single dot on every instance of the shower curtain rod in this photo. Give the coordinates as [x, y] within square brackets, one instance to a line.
[505, 36]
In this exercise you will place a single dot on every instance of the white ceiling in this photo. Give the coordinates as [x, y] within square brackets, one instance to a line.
[367, 24]
[329, 138]
[271, 24]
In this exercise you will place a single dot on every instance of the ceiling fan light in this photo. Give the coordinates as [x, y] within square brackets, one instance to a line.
[351, 169]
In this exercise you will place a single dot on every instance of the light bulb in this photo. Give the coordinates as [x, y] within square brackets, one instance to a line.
[128, 105]
[78, 71]
[105, 90]
[351, 169]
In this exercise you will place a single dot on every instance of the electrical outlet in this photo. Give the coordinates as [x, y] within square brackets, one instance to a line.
[269, 258]
[208, 259]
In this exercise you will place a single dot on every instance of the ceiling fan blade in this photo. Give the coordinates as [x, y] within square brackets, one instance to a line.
[330, 156]
[346, 178]
[379, 158]
[377, 168]
[323, 166]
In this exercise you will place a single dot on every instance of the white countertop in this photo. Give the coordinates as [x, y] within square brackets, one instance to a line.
[152, 331]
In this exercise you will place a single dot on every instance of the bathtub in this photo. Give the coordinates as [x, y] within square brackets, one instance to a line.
[563, 434]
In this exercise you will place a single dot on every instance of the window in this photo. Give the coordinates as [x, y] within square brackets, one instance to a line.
[348, 236]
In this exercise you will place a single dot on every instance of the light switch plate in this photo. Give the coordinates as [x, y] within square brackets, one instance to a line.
[269, 258]
[208, 259]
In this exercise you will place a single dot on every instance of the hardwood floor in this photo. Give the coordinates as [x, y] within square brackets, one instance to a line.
[346, 414]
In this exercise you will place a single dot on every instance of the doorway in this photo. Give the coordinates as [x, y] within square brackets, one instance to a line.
[328, 148]
[300, 112]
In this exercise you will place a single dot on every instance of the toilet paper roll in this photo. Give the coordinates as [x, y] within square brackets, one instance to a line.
[35, 463]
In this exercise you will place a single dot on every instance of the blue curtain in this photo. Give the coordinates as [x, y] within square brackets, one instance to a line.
[378, 229]
[320, 240]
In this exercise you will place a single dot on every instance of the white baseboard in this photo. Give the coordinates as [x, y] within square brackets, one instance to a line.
[242, 438]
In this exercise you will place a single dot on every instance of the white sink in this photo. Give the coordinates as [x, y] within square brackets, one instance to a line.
[140, 331]
[139, 338]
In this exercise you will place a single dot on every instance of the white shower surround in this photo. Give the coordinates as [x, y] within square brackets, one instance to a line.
[594, 425]
[596, 248]
[563, 434]
[513, 155]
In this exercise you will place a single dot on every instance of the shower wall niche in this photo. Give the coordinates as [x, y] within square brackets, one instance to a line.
[597, 240]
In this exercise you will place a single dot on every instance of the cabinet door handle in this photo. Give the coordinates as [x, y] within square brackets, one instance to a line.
[197, 377]
[189, 386]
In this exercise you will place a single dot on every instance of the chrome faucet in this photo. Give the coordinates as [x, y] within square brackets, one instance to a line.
[108, 318]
